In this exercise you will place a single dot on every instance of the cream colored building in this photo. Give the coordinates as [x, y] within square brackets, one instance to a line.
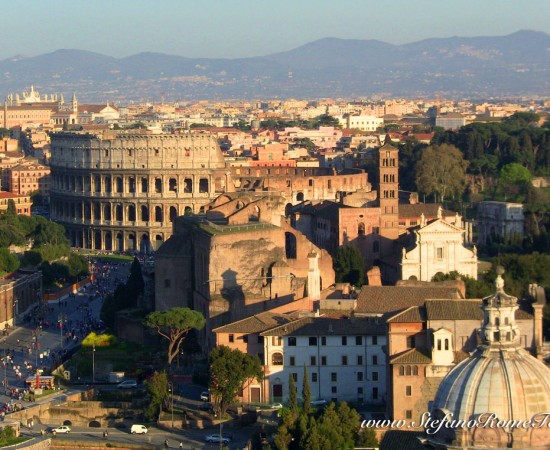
[438, 247]
[363, 123]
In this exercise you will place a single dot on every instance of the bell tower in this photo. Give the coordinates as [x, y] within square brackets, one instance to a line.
[388, 194]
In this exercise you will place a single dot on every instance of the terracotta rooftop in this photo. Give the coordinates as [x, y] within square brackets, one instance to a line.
[255, 324]
[319, 326]
[414, 314]
[399, 439]
[461, 310]
[386, 299]
[428, 209]
[411, 356]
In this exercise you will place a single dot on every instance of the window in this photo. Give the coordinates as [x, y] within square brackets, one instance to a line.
[360, 390]
[334, 377]
[375, 340]
[344, 340]
[334, 389]
[295, 376]
[292, 341]
[411, 342]
[323, 340]
[408, 391]
[408, 371]
[245, 338]
[374, 360]
[344, 360]
[323, 360]
[415, 370]
[439, 344]
[439, 253]
[446, 344]
[359, 360]
[312, 341]
[313, 360]
[359, 376]
[277, 359]
[408, 414]
[375, 376]
[231, 338]
[401, 370]
[358, 340]
[314, 377]
[276, 340]
[375, 393]
[292, 361]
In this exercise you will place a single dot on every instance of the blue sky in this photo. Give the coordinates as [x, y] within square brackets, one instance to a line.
[240, 28]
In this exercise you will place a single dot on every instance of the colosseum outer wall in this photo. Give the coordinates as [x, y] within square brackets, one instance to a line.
[122, 191]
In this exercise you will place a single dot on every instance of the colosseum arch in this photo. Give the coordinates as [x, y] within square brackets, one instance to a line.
[144, 213]
[131, 213]
[108, 185]
[132, 242]
[97, 240]
[159, 216]
[118, 213]
[119, 184]
[158, 241]
[108, 245]
[107, 212]
[144, 244]
[119, 242]
[188, 211]
[300, 197]
[173, 213]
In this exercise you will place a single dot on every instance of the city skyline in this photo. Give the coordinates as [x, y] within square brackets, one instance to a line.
[241, 28]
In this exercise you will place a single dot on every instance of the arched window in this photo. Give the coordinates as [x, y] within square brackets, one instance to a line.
[173, 213]
[401, 370]
[446, 344]
[439, 344]
[408, 371]
[361, 229]
[277, 359]
[290, 245]
[415, 370]
[497, 321]
[144, 213]
[158, 214]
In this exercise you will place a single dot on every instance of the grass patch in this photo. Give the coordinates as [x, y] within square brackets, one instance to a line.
[114, 258]
[33, 397]
[13, 441]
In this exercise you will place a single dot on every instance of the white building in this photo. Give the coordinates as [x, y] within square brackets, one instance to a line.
[363, 123]
[438, 247]
[344, 357]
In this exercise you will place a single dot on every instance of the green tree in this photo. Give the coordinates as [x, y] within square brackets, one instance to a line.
[8, 261]
[174, 325]
[135, 283]
[349, 266]
[514, 177]
[12, 210]
[157, 388]
[292, 399]
[441, 171]
[230, 372]
[306, 393]
[366, 438]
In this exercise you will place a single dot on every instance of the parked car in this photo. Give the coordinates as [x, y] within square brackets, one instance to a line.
[127, 384]
[205, 396]
[320, 402]
[216, 439]
[138, 429]
[276, 406]
[61, 429]
[207, 407]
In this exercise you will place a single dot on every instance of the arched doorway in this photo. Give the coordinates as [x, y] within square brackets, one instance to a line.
[144, 246]
[97, 240]
[119, 242]
[158, 241]
[108, 241]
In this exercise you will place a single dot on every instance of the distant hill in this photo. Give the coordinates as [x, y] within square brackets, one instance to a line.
[474, 67]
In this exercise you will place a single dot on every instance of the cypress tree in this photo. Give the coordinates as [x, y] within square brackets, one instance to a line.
[306, 393]
[292, 400]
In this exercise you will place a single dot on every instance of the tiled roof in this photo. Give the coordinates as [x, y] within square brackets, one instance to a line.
[399, 439]
[414, 314]
[461, 310]
[255, 324]
[428, 209]
[411, 356]
[320, 326]
[384, 299]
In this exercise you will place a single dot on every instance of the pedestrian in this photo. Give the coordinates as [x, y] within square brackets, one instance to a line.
[181, 444]
[166, 443]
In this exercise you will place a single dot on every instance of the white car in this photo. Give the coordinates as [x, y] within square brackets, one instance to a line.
[205, 396]
[319, 402]
[61, 429]
[127, 384]
[277, 406]
[216, 439]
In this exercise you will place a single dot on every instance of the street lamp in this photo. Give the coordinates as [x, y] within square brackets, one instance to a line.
[171, 390]
[61, 329]
[93, 366]
[15, 301]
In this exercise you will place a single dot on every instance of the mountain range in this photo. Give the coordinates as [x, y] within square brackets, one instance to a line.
[456, 67]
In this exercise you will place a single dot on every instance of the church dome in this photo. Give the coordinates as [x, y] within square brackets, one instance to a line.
[500, 381]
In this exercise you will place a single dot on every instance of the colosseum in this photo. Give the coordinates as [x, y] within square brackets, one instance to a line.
[122, 190]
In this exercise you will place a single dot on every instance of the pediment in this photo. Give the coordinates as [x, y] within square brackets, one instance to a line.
[439, 226]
